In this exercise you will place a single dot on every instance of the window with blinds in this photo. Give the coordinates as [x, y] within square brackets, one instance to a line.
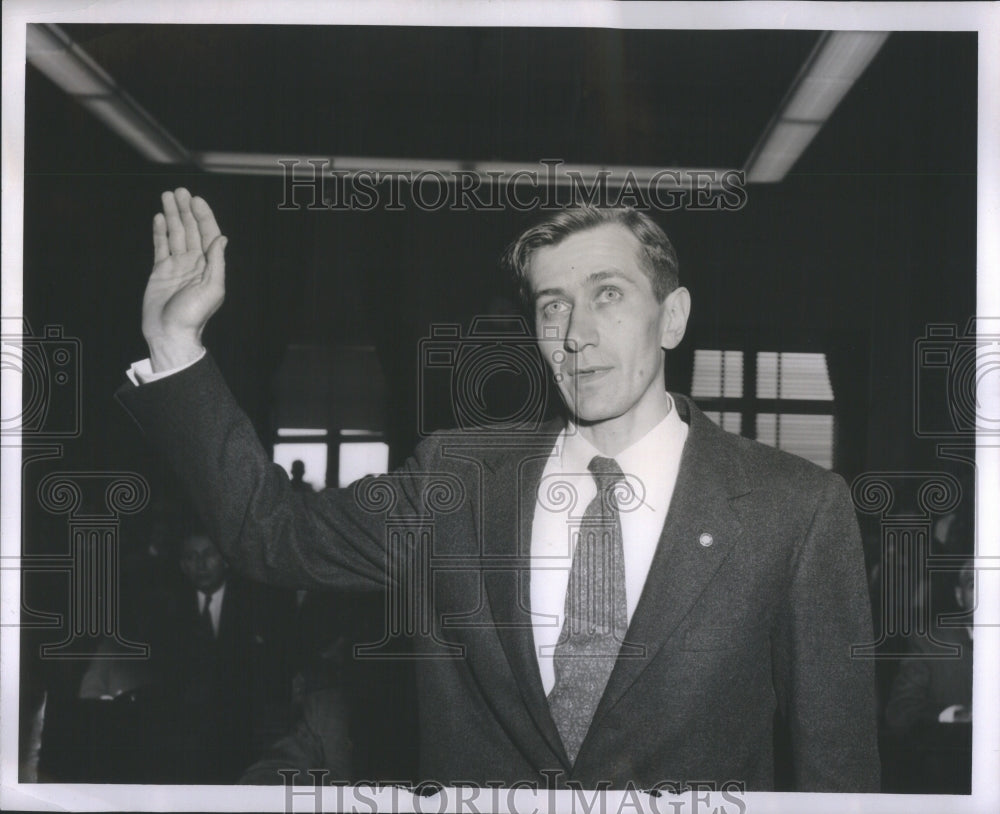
[779, 398]
[809, 436]
[793, 376]
[717, 373]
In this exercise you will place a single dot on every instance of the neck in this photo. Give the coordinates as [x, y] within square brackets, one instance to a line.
[614, 435]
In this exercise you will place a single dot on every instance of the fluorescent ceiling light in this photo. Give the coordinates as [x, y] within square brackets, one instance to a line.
[132, 126]
[292, 432]
[846, 54]
[69, 67]
[64, 62]
[787, 141]
[815, 99]
[840, 57]
[835, 69]
[514, 172]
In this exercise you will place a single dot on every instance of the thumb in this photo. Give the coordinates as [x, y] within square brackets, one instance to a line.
[215, 270]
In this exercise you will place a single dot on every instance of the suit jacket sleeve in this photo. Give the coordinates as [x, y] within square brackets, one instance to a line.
[270, 531]
[827, 696]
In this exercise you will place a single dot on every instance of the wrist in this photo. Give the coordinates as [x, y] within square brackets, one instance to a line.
[167, 353]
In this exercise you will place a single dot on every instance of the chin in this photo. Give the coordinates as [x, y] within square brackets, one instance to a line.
[592, 414]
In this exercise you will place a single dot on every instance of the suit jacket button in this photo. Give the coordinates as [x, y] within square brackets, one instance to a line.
[706, 539]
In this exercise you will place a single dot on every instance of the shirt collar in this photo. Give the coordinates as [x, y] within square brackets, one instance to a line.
[216, 595]
[645, 459]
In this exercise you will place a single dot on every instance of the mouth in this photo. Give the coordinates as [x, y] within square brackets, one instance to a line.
[585, 375]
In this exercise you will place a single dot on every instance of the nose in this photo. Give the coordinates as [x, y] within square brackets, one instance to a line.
[581, 330]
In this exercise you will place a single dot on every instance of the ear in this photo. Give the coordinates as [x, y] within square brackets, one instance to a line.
[676, 308]
[960, 597]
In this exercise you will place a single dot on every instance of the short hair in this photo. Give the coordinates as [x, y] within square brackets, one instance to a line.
[657, 255]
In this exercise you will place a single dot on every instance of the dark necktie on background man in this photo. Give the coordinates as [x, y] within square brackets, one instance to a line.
[206, 628]
[596, 613]
[199, 659]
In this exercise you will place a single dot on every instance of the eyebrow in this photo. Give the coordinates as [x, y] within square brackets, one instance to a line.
[592, 278]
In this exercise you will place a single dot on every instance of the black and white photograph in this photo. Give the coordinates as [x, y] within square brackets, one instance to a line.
[500, 407]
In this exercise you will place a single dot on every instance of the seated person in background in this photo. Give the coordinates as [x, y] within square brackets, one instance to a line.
[108, 678]
[937, 690]
[930, 708]
[319, 739]
[92, 713]
[319, 743]
[354, 715]
[218, 646]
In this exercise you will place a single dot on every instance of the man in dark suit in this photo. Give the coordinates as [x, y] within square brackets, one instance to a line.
[929, 689]
[929, 711]
[216, 641]
[629, 596]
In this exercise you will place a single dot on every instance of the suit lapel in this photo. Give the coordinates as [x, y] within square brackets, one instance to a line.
[700, 532]
[682, 567]
[517, 474]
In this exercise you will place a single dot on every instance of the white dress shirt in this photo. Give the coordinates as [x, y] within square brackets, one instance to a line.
[215, 609]
[650, 466]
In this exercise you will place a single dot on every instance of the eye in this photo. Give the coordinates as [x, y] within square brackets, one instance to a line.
[609, 294]
[554, 308]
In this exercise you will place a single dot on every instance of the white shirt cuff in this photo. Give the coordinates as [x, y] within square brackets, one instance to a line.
[142, 372]
[947, 716]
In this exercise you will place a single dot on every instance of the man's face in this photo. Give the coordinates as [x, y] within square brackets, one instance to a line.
[591, 294]
[202, 564]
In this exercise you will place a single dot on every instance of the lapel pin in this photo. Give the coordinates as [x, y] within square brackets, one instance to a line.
[706, 540]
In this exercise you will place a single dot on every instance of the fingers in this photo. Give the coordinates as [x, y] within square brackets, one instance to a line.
[176, 238]
[161, 251]
[192, 237]
[215, 270]
[188, 224]
[208, 228]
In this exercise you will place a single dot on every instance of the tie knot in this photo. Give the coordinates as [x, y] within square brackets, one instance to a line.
[606, 472]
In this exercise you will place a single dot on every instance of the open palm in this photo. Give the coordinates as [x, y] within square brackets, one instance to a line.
[187, 284]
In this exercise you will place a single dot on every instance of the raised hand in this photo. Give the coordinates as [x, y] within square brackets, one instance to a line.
[187, 284]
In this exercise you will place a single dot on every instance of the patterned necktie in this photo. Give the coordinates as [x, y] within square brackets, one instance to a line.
[596, 612]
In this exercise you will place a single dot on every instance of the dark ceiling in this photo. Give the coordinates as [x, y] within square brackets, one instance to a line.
[655, 98]
[601, 96]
